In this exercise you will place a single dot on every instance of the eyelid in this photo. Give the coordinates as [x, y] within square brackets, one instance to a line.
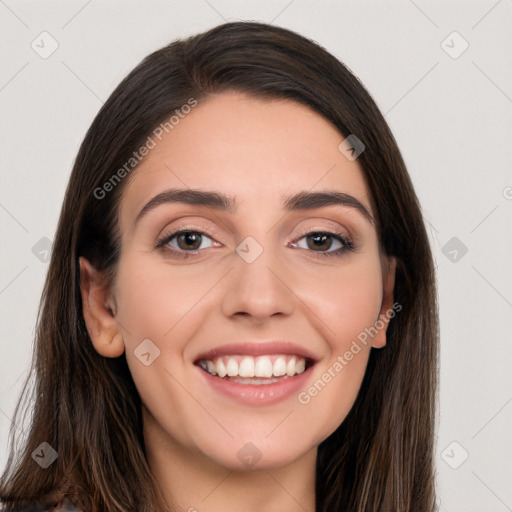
[197, 225]
[333, 229]
[167, 235]
[343, 233]
[319, 223]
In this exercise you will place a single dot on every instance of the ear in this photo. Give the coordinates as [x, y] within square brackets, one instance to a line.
[98, 309]
[388, 285]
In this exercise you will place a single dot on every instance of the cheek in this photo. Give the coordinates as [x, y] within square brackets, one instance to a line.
[348, 300]
[153, 305]
[349, 304]
[154, 299]
[165, 306]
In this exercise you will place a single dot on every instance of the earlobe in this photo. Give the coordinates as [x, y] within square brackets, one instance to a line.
[386, 310]
[99, 311]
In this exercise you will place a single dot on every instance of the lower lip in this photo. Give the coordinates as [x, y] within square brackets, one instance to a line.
[258, 394]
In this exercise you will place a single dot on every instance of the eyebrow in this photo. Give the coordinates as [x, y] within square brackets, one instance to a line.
[221, 202]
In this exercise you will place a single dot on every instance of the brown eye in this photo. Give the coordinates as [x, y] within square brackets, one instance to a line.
[189, 240]
[325, 243]
[319, 241]
[185, 241]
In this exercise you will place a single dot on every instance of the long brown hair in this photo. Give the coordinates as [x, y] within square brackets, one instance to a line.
[86, 406]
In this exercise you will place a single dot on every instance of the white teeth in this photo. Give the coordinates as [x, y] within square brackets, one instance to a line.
[290, 367]
[279, 368]
[263, 367]
[247, 367]
[210, 367]
[221, 369]
[232, 367]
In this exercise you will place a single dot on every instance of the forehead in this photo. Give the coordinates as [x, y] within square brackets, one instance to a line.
[254, 149]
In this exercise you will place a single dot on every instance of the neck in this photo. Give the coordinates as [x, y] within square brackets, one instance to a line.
[190, 481]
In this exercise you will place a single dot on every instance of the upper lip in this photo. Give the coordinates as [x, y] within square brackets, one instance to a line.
[257, 348]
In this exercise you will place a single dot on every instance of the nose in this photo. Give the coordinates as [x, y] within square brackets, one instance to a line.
[260, 289]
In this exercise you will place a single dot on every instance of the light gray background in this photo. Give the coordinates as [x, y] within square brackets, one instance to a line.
[452, 120]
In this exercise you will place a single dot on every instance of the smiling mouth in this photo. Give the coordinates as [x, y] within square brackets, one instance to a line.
[263, 369]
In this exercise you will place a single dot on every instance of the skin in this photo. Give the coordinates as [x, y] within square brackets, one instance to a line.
[255, 150]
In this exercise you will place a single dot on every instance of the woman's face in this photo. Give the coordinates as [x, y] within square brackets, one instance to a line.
[270, 275]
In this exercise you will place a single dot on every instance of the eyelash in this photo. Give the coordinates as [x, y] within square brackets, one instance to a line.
[162, 242]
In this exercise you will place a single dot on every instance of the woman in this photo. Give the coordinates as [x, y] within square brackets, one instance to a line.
[240, 310]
